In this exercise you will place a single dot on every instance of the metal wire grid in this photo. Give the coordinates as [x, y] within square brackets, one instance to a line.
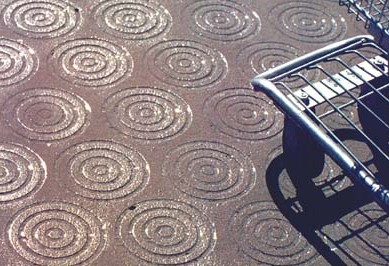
[374, 12]
[356, 84]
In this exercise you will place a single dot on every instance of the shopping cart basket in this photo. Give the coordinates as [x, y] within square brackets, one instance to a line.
[375, 14]
[355, 83]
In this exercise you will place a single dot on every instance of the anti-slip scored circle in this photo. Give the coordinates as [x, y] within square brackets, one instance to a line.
[103, 170]
[147, 113]
[308, 22]
[46, 114]
[91, 62]
[223, 21]
[260, 57]
[166, 232]
[266, 236]
[209, 170]
[56, 233]
[243, 114]
[41, 18]
[186, 64]
[22, 172]
[133, 19]
[17, 62]
[263, 56]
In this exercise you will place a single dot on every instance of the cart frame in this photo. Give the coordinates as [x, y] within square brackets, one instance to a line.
[299, 106]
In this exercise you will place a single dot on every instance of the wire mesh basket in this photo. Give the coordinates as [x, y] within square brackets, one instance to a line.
[375, 14]
[346, 113]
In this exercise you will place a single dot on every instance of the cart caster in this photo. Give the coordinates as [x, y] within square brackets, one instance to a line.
[304, 158]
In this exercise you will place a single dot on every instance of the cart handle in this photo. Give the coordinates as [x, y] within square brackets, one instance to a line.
[311, 58]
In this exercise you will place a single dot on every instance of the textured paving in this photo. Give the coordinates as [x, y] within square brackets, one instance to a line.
[129, 135]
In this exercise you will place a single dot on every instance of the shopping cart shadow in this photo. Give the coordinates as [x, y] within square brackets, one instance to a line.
[377, 131]
[310, 211]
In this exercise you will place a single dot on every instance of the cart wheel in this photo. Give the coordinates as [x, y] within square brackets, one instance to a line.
[303, 156]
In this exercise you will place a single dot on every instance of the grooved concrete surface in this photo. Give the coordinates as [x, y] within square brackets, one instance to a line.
[129, 135]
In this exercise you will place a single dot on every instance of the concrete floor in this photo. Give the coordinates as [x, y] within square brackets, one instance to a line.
[130, 136]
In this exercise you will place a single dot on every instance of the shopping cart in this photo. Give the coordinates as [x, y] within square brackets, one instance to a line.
[352, 96]
[375, 14]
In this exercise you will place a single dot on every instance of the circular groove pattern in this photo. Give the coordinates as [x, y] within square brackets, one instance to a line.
[166, 232]
[186, 64]
[46, 114]
[308, 21]
[41, 18]
[266, 55]
[265, 235]
[56, 233]
[148, 113]
[17, 62]
[22, 172]
[370, 228]
[223, 21]
[91, 62]
[209, 170]
[103, 170]
[133, 19]
[244, 114]
[257, 58]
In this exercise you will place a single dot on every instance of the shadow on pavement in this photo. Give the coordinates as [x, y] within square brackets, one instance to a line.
[311, 211]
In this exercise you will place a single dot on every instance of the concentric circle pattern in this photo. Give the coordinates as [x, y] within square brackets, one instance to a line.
[243, 114]
[210, 170]
[91, 62]
[41, 18]
[22, 172]
[103, 170]
[17, 62]
[223, 21]
[186, 64]
[148, 113]
[166, 232]
[370, 228]
[266, 236]
[266, 55]
[308, 21]
[56, 233]
[260, 57]
[133, 19]
[46, 114]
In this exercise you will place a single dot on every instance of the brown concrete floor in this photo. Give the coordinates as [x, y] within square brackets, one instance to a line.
[130, 135]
